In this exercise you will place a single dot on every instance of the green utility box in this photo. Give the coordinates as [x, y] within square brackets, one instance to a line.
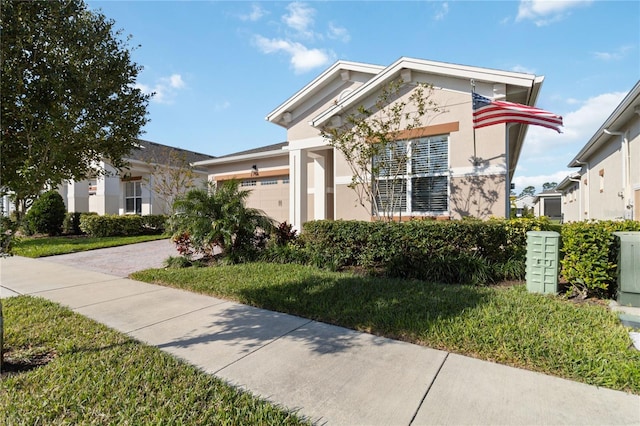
[543, 266]
[628, 246]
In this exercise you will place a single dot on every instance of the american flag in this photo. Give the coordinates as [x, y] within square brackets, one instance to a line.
[487, 112]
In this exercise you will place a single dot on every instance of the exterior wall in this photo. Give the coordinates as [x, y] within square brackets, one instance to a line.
[571, 203]
[347, 205]
[604, 182]
[273, 199]
[300, 128]
[474, 190]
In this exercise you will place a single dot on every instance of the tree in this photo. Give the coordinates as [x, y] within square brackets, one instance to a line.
[217, 217]
[370, 141]
[529, 190]
[548, 186]
[170, 176]
[68, 98]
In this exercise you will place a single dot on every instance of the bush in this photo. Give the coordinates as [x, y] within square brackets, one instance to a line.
[71, 224]
[7, 236]
[114, 225]
[468, 251]
[46, 215]
[589, 256]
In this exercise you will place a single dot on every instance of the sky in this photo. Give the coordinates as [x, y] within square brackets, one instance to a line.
[219, 67]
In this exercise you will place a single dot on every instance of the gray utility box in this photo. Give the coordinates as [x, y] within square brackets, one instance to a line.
[628, 244]
[543, 266]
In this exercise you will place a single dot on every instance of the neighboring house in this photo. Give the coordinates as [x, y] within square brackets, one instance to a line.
[523, 205]
[607, 185]
[317, 177]
[130, 191]
[548, 203]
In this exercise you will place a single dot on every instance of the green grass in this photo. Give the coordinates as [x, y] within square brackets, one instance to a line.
[503, 324]
[99, 376]
[50, 246]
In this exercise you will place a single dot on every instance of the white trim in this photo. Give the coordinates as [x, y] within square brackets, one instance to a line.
[330, 73]
[236, 158]
[498, 169]
[309, 143]
[429, 67]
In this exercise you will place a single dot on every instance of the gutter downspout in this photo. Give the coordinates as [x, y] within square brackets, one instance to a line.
[624, 150]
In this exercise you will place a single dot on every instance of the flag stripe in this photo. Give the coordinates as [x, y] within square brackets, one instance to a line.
[487, 112]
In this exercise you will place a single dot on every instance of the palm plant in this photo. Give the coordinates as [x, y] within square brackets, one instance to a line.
[217, 217]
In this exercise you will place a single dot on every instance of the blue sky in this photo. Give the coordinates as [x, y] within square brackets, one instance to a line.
[219, 67]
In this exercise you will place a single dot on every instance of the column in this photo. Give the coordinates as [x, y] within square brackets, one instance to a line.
[298, 188]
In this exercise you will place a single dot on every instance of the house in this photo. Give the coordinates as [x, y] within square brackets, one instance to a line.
[547, 203]
[523, 205]
[606, 185]
[306, 178]
[131, 191]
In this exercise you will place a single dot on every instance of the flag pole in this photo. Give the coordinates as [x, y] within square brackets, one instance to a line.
[473, 90]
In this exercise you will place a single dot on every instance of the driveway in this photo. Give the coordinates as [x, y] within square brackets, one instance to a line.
[120, 261]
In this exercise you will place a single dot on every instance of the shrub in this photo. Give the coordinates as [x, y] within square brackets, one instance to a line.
[469, 251]
[218, 219]
[7, 236]
[589, 256]
[46, 215]
[154, 223]
[114, 225]
[71, 224]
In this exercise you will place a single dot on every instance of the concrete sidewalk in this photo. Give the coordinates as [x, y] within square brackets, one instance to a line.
[330, 374]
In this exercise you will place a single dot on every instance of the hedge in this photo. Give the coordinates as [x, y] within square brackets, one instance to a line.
[114, 225]
[451, 252]
[589, 256]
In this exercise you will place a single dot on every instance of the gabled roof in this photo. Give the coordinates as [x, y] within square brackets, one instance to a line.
[318, 84]
[152, 152]
[550, 193]
[629, 106]
[529, 81]
[568, 181]
[260, 152]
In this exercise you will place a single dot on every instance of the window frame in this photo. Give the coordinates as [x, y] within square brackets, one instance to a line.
[136, 197]
[433, 175]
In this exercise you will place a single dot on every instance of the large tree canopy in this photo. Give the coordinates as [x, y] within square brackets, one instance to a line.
[68, 94]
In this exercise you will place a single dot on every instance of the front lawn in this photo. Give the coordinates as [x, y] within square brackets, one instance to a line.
[91, 374]
[584, 342]
[51, 246]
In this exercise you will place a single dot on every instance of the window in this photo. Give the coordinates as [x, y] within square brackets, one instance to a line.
[133, 197]
[248, 183]
[285, 180]
[269, 182]
[413, 176]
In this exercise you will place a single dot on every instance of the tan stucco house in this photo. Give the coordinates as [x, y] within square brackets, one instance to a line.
[305, 178]
[606, 185]
[548, 203]
[129, 191]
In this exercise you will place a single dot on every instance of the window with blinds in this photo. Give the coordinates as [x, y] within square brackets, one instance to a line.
[424, 189]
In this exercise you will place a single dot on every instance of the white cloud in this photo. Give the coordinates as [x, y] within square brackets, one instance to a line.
[300, 17]
[302, 58]
[522, 182]
[545, 12]
[175, 81]
[165, 88]
[523, 69]
[257, 12]
[579, 125]
[444, 10]
[543, 147]
[617, 54]
[339, 33]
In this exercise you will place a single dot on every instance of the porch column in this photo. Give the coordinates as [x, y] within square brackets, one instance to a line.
[320, 188]
[298, 188]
